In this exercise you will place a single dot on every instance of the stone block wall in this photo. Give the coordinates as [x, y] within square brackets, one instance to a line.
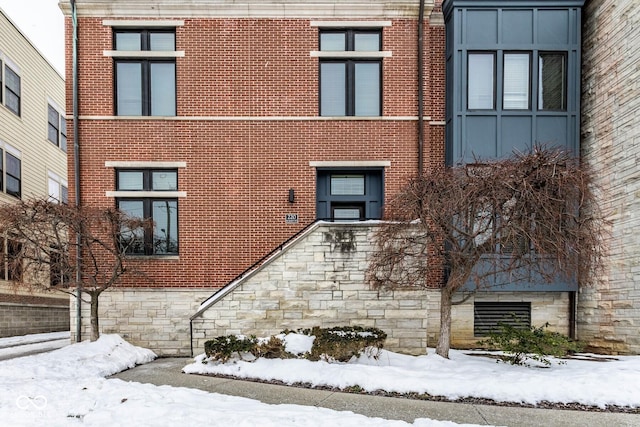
[320, 281]
[609, 309]
[552, 307]
[154, 318]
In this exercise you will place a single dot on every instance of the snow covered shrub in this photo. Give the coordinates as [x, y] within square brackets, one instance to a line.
[342, 343]
[272, 348]
[222, 348]
[520, 343]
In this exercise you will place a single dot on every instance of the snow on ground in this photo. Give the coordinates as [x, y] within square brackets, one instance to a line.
[596, 383]
[66, 387]
[32, 344]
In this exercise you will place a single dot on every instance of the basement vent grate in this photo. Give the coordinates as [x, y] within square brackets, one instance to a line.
[488, 315]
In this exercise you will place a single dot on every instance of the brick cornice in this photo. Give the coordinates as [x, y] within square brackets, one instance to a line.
[322, 9]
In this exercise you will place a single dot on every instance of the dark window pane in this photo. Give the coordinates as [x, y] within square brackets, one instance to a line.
[13, 186]
[162, 41]
[164, 180]
[132, 241]
[12, 102]
[13, 166]
[52, 134]
[366, 41]
[128, 41]
[14, 259]
[130, 180]
[63, 133]
[552, 91]
[12, 80]
[163, 89]
[333, 42]
[367, 89]
[333, 89]
[165, 232]
[64, 195]
[516, 81]
[129, 88]
[53, 116]
[480, 81]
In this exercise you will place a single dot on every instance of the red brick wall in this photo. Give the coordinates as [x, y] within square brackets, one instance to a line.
[239, 171]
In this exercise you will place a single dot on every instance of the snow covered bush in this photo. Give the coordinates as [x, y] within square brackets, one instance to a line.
[222, 348]
[342, 343]
[337, 344]
[520, 343]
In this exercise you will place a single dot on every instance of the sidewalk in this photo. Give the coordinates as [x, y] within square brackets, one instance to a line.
[168, 372]
[27, 345]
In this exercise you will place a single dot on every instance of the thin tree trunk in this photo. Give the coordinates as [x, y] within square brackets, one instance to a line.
[95, 331]
[444, 340]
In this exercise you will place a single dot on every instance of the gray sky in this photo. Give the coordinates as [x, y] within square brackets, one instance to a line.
[43, 23]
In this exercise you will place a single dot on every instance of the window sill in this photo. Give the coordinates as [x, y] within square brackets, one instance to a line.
[144, 53]
[350, 54]
[147, 194]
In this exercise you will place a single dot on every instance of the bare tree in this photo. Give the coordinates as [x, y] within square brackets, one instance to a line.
[532, 216]
[46, 236]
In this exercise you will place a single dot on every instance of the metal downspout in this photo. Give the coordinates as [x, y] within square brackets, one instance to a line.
[76, 164]
[420, 88]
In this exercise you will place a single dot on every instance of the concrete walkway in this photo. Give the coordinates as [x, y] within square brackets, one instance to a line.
[168, 372]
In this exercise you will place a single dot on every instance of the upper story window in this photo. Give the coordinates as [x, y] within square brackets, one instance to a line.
[154, 203]
[57, 128]
[516, 81]
[351, 80]
[145, 72]
[58, 189]
[11, 172]
[11, 86]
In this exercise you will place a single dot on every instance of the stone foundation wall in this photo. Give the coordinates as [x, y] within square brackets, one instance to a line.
[320, 281]
[552, 307]
[154, 318]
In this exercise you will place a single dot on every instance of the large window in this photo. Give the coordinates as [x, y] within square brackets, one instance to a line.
[145, 84]
[57, 128]
[12, 89]
[350, 86]
[516, 80]
[160, 237]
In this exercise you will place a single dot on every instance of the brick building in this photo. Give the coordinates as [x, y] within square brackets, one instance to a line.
[32, 164]
[235, 126]
[186, 117]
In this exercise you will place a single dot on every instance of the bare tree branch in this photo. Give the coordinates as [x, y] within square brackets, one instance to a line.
[44, 244]
[533, 216]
